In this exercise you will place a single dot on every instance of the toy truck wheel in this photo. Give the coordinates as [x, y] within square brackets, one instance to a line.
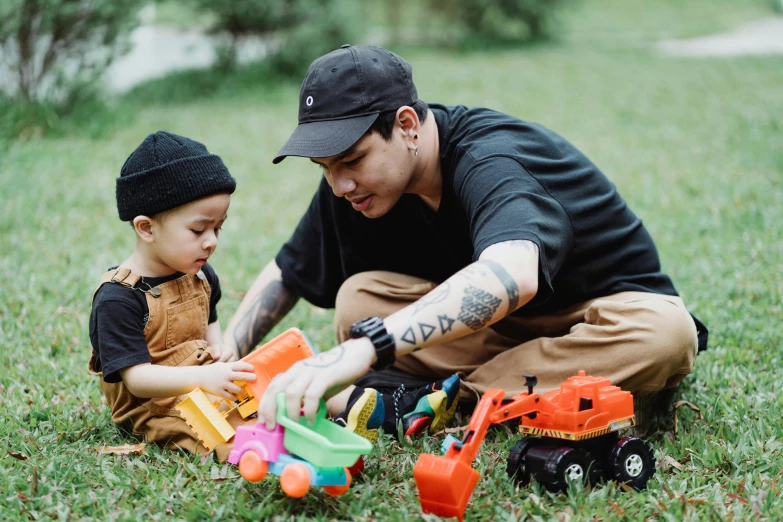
[632, 462]
[567, 465]
[252, 467]
[516, 465]
[295, 480]
[336, 491]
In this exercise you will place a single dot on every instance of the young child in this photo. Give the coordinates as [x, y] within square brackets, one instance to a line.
[154, 327]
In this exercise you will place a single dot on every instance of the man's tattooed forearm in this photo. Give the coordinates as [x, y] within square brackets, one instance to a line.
[478, 307]
[265, 311]
[511, 286]
[326, 359]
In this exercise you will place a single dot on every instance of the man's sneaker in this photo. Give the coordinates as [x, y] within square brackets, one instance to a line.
[434, 407]
[402, 412]
[365, 413]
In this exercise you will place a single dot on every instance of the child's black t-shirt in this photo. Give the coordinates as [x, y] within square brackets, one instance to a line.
[118, 317]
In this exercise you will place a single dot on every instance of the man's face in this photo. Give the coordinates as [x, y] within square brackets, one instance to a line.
[373, 174]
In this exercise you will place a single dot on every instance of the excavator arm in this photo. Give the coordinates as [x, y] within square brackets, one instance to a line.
[446, 482]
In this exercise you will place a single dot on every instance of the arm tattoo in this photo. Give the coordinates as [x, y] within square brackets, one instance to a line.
[265, 311]
[436, 296]
[511, 287]
[326, 359]
[478, 307]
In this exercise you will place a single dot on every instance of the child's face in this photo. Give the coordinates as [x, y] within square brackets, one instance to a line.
[187, 236]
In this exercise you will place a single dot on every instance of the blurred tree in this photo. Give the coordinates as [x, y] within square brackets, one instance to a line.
[295, 31]
[500, 21]
[57, 49]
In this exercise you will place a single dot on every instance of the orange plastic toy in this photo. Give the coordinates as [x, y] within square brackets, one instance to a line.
[208, 419]
[570, 436]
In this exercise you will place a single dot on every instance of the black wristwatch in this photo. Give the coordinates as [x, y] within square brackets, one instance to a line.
[374, 329]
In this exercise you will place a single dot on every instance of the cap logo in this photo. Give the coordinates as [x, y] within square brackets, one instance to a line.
[309, 101]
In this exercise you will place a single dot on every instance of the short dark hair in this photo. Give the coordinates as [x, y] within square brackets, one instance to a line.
[384, 125]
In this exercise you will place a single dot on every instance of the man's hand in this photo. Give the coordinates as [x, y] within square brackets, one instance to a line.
[218, 378]
[307, 381]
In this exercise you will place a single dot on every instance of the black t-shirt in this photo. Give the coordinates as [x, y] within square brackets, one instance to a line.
[118, 317]
[503, 179]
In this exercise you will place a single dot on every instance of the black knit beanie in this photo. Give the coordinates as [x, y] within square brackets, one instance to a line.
[167, 171]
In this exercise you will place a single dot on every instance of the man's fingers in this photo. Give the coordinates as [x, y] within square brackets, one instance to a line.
[312, 399]
[294, 394]
[267, 410]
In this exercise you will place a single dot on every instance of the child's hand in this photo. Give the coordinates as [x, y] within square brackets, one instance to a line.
[218, 378]
[223, 353]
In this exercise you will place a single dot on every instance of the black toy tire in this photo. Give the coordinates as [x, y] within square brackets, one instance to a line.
[632, 462]
[566, 465]
[516, 467]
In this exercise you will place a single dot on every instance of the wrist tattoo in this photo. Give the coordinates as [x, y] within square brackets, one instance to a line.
[271, 304]
[511, 286]
[326, 359]
[478, 307]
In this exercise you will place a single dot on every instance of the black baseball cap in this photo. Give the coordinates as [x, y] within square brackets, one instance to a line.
[341, 97]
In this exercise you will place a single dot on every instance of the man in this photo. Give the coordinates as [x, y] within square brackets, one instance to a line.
[489, 243]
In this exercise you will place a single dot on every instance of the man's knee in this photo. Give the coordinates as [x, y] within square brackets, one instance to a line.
[672, 339]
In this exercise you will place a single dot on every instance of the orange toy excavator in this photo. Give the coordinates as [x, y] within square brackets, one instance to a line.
[570, 435]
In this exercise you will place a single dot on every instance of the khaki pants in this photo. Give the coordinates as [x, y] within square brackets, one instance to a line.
[642, 342]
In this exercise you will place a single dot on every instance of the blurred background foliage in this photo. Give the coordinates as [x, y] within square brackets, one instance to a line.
[53, 53]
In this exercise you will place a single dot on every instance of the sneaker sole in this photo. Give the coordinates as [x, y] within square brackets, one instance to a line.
[443, 414]
[360, 414]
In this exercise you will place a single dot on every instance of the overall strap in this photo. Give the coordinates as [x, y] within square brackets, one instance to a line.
[121, 276]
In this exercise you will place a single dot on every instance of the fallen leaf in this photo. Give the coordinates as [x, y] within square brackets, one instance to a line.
[22, 497]
[688, 404]
[669, 461]
[616, 507]
[448, 431]
[17, 456]
[744, 501]
[122, 450]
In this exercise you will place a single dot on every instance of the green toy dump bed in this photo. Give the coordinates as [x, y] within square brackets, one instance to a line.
[324, 444]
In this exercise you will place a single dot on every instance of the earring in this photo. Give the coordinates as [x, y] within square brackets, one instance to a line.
[416, 151]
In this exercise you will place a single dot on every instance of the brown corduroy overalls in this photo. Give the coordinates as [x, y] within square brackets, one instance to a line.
[175, 334]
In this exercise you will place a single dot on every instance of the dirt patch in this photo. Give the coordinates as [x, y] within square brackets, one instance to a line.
[756, 38]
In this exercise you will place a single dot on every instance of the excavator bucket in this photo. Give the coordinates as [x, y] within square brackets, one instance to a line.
[208, 423]
[445, 484]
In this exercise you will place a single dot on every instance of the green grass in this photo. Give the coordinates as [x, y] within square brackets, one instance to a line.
[695, 146]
